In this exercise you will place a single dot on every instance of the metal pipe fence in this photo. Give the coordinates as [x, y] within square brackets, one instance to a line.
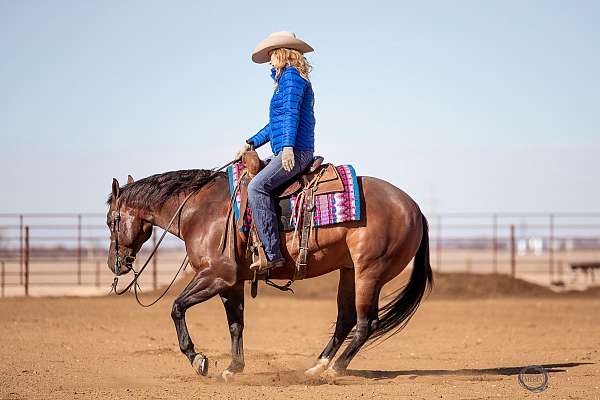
[46, 250]
[539, 247]
[54, 254]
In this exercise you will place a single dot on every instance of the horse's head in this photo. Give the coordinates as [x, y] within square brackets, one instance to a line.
[128, 232]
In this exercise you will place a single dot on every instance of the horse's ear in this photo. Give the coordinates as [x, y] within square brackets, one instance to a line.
[129, 179]
[116, 188]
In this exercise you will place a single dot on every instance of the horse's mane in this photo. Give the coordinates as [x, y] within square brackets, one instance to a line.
[152, 192]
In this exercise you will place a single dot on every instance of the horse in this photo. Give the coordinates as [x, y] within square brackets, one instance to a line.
[368, 254]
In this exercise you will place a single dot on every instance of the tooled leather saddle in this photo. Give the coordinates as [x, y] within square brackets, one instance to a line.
[328, 179]
[318, 178]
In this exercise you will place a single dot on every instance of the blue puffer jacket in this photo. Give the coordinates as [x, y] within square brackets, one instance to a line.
[291, 116]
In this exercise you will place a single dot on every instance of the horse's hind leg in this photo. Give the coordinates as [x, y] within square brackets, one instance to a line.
[201, 288]
[346, 320]
[233, 300]
[367, 299]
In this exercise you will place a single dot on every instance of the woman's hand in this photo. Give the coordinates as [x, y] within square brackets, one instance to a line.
[287, 158]
[240, 153]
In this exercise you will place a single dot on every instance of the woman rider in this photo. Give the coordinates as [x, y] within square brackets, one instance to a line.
[290, 132]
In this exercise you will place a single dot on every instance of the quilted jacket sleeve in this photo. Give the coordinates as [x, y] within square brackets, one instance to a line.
[292, 86]
[261, 137]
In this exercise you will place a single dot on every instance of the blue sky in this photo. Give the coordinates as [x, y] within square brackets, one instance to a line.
[467, 106]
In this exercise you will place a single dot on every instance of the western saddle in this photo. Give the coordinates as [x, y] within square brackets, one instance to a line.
[317, 178]
[326, 177]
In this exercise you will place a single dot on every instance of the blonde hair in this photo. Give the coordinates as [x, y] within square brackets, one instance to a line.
[291, 57]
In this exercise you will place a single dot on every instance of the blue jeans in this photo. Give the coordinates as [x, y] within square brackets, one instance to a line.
[271, 177]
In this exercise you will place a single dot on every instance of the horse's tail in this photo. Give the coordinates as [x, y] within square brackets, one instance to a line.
[395, 315]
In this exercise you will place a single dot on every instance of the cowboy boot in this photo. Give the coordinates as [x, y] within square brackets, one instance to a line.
[265, 265]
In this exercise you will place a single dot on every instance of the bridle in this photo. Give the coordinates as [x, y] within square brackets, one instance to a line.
[116, 219]
[128, 259]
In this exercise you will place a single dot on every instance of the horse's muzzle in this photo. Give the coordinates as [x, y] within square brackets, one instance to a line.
[125, 265]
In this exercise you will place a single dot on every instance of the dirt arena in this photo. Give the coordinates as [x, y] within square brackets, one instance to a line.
[467, 341]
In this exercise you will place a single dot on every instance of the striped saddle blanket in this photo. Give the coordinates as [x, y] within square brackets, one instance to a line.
[330, 208]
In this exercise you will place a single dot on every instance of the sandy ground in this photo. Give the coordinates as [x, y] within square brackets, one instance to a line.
[73, 348]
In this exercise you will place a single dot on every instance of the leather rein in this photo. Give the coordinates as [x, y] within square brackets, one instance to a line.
[116, 218]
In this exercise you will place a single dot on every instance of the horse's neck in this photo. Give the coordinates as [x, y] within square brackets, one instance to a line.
[219, 191]
[163, 217]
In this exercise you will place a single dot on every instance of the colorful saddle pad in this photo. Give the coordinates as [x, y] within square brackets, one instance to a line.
[330, 208]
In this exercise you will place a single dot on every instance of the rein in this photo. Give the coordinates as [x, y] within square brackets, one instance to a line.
[115, 231]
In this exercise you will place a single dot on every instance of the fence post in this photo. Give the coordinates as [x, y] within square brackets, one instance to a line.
[97, 273]
[495, 245]
[560, 271]
[79, 249]
[21, 249]
[26, 256]
[513, 254]
[551, 249]
[438, 244]
[154, 262]
[3, 277]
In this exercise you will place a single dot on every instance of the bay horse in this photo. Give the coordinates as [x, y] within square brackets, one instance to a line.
[368, 253]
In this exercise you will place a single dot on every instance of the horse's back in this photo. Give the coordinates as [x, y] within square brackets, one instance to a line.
[382, 197]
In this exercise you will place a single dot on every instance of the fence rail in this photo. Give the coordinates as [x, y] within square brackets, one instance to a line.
[69, 250]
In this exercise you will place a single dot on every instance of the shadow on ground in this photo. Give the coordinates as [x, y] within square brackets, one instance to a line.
[373, 374]
[358, 377]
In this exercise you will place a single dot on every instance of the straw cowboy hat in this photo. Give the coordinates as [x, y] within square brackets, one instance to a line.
[277, 40]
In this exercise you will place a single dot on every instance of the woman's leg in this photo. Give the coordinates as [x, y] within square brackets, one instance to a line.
[260, 189]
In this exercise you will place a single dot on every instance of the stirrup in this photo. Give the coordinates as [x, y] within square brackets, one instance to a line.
[259, 259]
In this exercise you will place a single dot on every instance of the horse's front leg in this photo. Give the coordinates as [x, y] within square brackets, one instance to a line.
[233, 300]
[204, 286]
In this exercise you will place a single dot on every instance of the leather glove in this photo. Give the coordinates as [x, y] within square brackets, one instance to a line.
[287, 158]
[240, 153]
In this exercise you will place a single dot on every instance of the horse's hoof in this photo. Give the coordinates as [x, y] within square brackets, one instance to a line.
[330, 374]
[318, 368]
[200, 364]
[228, 375]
